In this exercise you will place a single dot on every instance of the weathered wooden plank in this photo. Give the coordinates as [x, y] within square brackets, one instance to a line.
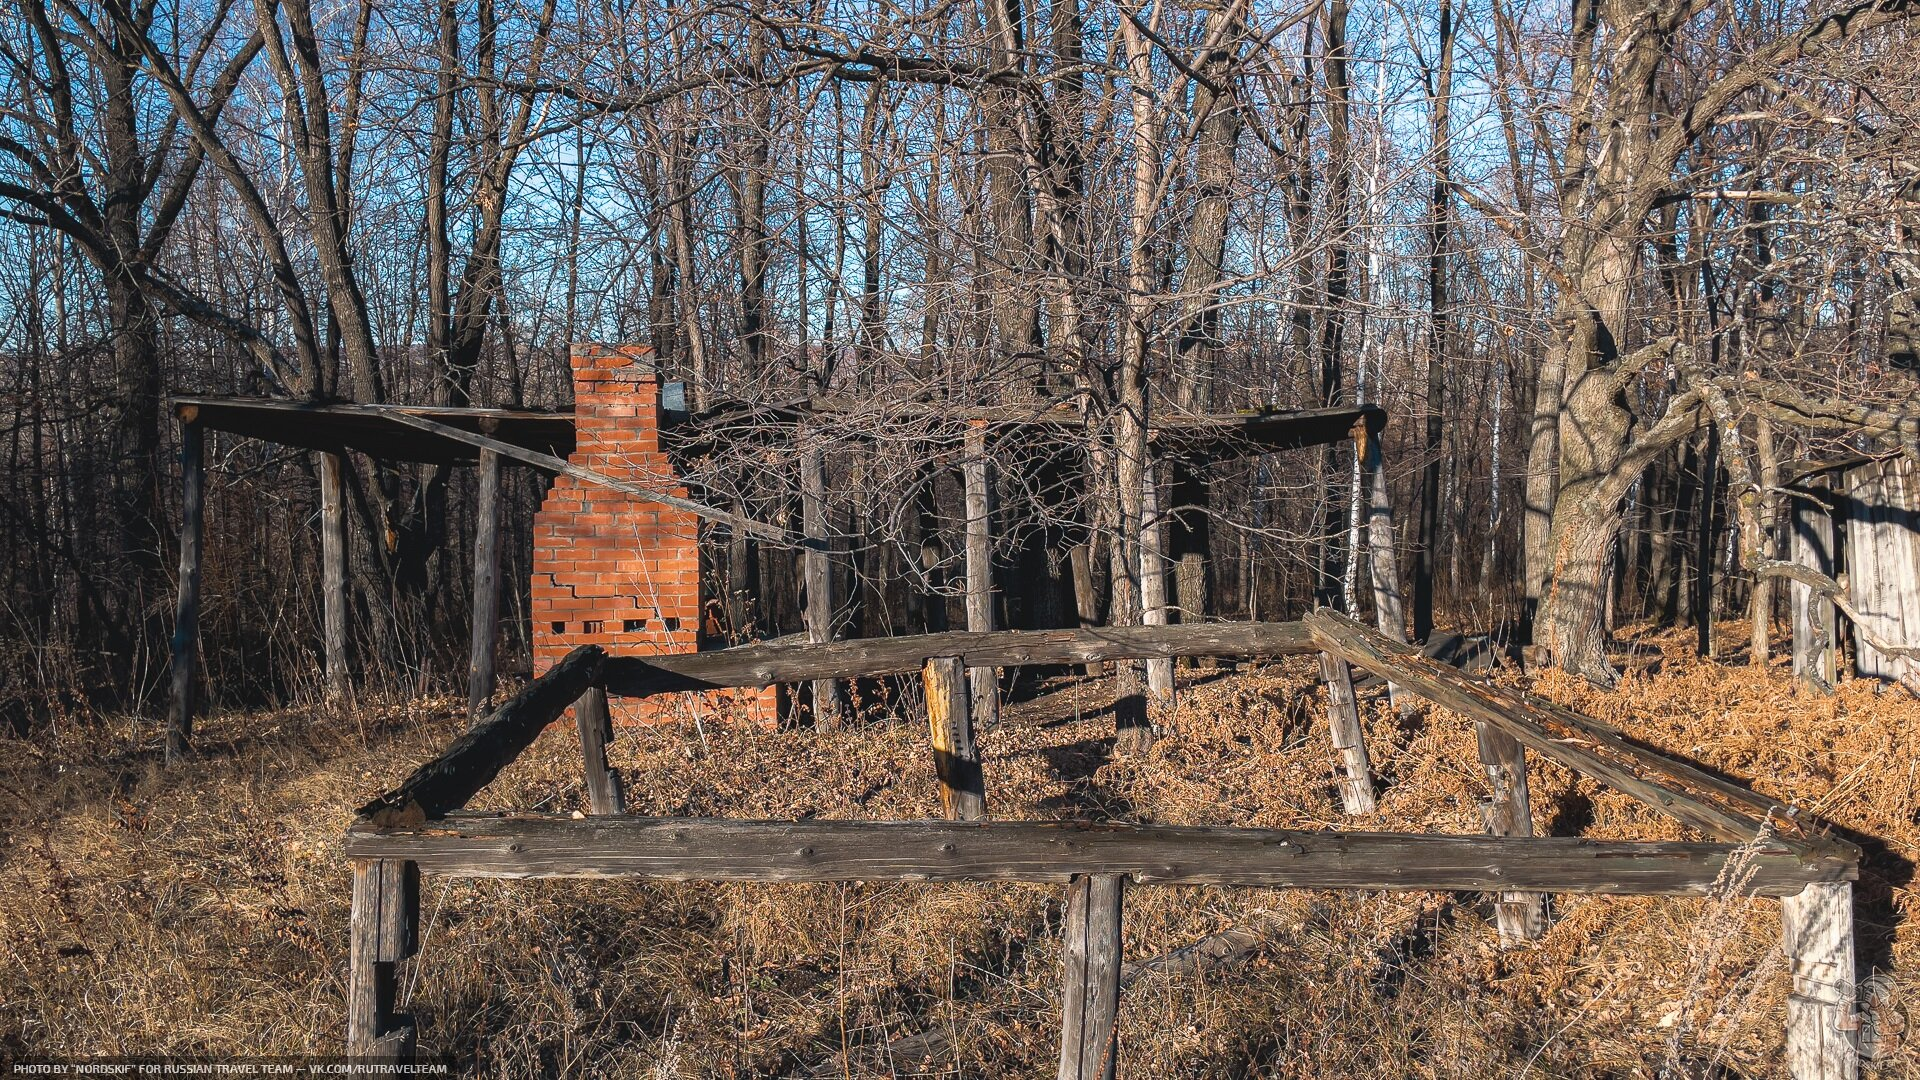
[1349, 740]
[1508, 811]
[486, 588]
[595, 723]
[475, 758]
[710, 849]
[333, 572]
[186, 610]
[764, 665]
[1090, 998]
[976, 479]
[1815, 627]
[816, 572]
[1672, 787]
[1822, 1030]
[381, 929]
[1883, 580]
[1153, 583]
[1383, 565]
[963, 795]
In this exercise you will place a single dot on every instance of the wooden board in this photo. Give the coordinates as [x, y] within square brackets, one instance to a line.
[1879, 503]
[711, 849]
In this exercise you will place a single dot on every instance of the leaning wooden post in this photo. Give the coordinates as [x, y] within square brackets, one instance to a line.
[963, 795]
[1089, 1044]
[186, 611]
[1814, 623]
[486, 588]
[333, 571]
[382, 931]
[1343, 722]
[977, 480]
[1822, 1030]
[1509, 812]
[605, 794]
[1383, 567]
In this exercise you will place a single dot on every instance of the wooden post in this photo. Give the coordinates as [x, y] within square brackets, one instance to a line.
[333, 571]
[1343, 722]
[1153, 584]
[1509, 812]
[595, 723]
[977, 480]
[1089, 1046]
[382, 932]
[1822, 1029]
[817, 570]
[1814, 624]
[186, 611]
[1383, 567]
[963, 795]
[486, 588]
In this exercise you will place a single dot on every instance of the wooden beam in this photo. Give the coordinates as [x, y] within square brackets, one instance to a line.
[552, 464]
[1349, 741]
[1508, 811]
[711, 849]
[1815, 628]
[475, 758]
[963, 793]
[816, 572]
[765, 665]
[333, 573]
[595, 724]
[381, 932]
[977, 488]
[186, 610]
[1822, 1029]
[486, 588]
[1090, 999]
[1383, 565]
[1153, 583]
[1675, 788]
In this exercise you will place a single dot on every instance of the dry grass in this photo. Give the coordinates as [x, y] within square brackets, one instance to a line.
[206, 910]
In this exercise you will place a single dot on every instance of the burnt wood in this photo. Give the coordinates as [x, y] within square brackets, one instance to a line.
[1675, 788]
[594, 721]
[475, 758]
[711, 849]
[186, 612]
[764, 665]
[1090, 997]
[963, 789]
[486, 588]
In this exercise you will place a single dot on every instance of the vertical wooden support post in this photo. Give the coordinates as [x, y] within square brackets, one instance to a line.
[186, 611]
[1814, 624]
[486, 588]
[383, 931]
[1509, 812]
[963, 794]
[1822, 1030]
[1343, 722]
[817, 569]
[1383, 567]
[1089, 1043]
[977, 479]
[1153, 584]
[333, 571]
[594, 720]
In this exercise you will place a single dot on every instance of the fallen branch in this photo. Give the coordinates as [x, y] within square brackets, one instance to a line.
[1831, 590]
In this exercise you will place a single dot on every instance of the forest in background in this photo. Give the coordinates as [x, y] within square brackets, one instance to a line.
[1609, 267]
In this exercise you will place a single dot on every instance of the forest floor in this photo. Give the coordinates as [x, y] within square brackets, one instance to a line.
[205, 910]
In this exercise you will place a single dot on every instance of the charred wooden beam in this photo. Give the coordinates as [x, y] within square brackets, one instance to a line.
[448, 781]
[764, 665]
[710, 849]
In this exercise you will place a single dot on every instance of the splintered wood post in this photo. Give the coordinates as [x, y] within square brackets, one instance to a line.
[382, 932]
[333, 571]
[1822, 1029]
[1343, 721]
[1153, 586]
[486, 588]
[1509, 812]
[963, 795]
[1089, 1046]
[186, 612]
[817, 570]
[595, 722]
[1814, 624]
[1383, 568]
[978, 481]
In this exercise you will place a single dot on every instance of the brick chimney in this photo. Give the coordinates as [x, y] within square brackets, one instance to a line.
[612, 569]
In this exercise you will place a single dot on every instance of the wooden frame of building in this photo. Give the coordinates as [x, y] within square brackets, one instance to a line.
[1755, 845]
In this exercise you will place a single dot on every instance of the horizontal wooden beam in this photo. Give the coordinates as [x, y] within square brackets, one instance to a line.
[709, 849]
[764, 665]
[1676, 788]
[449, 780]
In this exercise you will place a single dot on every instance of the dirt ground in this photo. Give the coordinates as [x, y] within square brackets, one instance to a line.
[206, 909]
